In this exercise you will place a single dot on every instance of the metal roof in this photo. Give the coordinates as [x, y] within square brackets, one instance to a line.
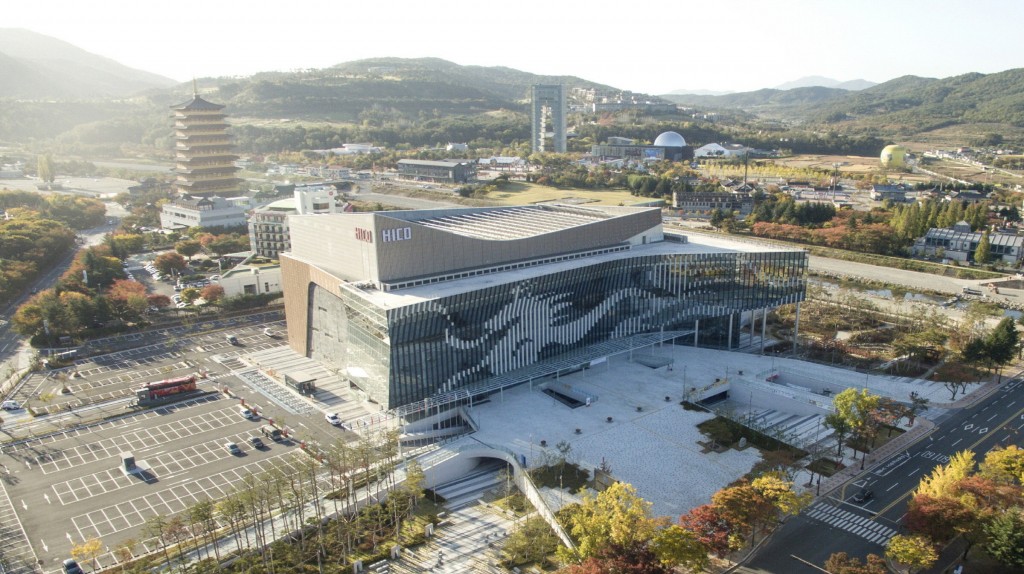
[512, 223]
[975, 237]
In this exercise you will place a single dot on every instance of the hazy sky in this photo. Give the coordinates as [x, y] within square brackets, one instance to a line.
[653, 46]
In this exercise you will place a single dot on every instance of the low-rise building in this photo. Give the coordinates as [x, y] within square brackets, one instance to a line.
[252, 277]
[205, 212]
[447, 171]
[269, 235]
[966, 195]
[669, 146]
[702, 204]
[959, 244]
[896, 192]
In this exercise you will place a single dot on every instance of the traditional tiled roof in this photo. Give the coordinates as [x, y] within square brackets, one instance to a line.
[197, 103]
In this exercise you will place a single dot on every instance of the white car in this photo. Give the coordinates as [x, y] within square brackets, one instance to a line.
[10, 405]
[333, 418]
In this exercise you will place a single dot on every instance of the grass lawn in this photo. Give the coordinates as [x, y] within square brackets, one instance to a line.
[522, 193]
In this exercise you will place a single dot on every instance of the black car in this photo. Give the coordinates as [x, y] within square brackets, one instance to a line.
[863, 496]
[71, 567]
[256, 442]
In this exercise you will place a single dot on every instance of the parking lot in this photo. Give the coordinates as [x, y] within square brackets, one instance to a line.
[65, 484]
[77, 474]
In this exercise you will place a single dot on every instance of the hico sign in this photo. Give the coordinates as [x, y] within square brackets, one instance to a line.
[386, 235]
[396, 234]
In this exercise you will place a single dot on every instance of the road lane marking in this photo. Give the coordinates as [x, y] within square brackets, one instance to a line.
[991, 417]
[899, 499]
[957, 442]
[894, 485]
[914, 471]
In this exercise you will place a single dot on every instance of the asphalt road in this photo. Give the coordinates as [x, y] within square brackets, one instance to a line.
[837, 523]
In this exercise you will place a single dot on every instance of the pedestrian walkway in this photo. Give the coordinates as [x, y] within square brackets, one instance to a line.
[332, 391]
[853, 523]
[922, 427]
[467, 541]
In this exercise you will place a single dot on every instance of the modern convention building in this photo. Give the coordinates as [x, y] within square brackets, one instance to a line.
[416, 306]
[668, 146]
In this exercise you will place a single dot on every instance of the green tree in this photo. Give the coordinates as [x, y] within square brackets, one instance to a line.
[916, 552]
[857, 408]
[841, 563]
[44, 168]
[170, 263]
[530, 542]
[188, 248]
[1002, 343]
[779, 492]
[675, 546]
[189, 294]
[744, 507]
[944, 480]
[1004, 538]
[87, 551]
[840, 428]
[1004, 465]
[983, 253]
[615, 516]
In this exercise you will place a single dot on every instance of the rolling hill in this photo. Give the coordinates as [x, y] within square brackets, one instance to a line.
[902, 107]
[39, 67]
[411, 87]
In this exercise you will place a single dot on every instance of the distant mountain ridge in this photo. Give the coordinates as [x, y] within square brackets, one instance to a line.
[905, 105]
[36, 66]
[821, 81]
[764, 98]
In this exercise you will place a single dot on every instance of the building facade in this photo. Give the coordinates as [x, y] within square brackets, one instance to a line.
[269, 235]
[704, 203]
[667, 146]
[449, 171]
[412, 305]
[203, 150]
[249, 278]
[548, 115]
[204, 212]
[959, 244]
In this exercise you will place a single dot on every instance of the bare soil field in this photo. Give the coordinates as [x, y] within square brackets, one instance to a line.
[522, 193]
[848, 163]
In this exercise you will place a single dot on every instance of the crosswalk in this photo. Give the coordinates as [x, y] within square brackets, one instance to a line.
[853, 523]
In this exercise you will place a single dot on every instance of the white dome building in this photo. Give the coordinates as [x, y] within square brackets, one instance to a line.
[670, 139]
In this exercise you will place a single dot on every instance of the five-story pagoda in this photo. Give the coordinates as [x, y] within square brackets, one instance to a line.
[204, 153]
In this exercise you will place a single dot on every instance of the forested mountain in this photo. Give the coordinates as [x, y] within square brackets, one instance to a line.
[34, 66]
[415, 88]
[781, 102]
[904, 105]
[929, 102]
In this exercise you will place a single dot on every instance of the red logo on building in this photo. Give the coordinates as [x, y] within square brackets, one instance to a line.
[364, 235]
